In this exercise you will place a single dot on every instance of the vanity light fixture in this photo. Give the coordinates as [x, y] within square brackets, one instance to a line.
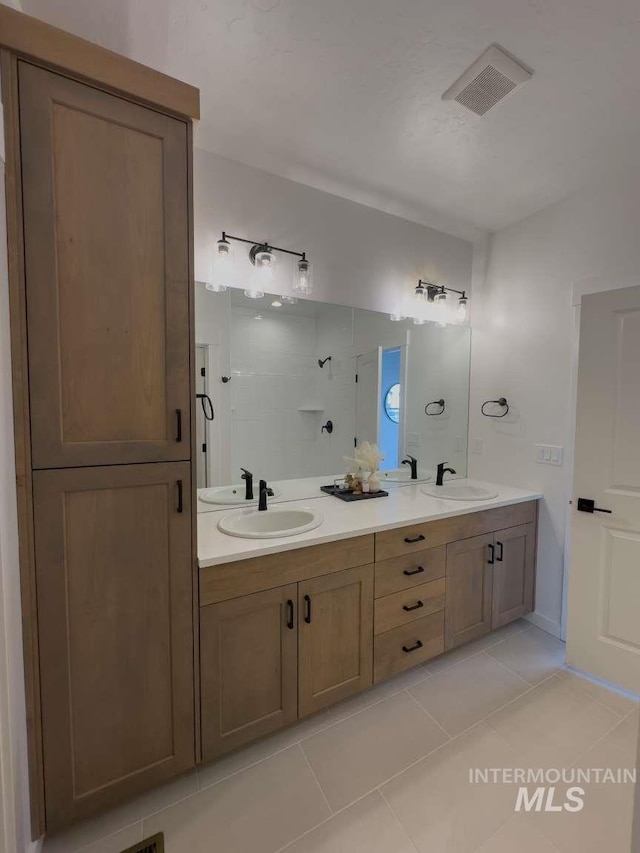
[263, 256]
[438, 297]
[463, 308]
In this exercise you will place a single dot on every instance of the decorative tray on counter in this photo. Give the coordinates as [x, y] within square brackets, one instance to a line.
[347, 495]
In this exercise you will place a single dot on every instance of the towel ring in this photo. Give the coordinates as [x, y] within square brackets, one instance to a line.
[501, 402]
[434, 403]
[207, 406]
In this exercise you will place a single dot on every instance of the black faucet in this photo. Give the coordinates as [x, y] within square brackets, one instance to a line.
[248, 476]
[264, 491]
[441, 472]
[411, 460]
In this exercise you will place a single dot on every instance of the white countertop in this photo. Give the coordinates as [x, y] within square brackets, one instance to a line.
[405, 505]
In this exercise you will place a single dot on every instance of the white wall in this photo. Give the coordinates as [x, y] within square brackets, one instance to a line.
[524, 347]
[361, 256]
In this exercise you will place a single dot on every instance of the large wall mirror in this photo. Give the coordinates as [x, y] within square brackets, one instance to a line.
[293, 385]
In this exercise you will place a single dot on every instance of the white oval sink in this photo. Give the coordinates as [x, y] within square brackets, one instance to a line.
[271, 524]
[460, 491]
[228, 495]
[404, 476]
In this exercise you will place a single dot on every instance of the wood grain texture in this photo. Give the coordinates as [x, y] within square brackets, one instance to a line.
[389, 654]
[335, 648]
[114, 574]
[391, 612]
[391, 543]
[469, 590]
[32, 38]
[249, 668]
[106, 254]
[22, 437]
[230, 580]
[409, 570]
[513, 575]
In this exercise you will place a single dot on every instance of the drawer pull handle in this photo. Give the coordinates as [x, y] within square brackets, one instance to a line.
[178, 424]
[411, 540]
[500, 556]
[180, 506]
[307, 609]
[290, 616]
[408, 649]
[492, 555]
[410, 607]
[410, 572]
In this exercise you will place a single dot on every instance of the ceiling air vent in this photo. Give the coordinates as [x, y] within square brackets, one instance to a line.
[153, 844]
[490, 79]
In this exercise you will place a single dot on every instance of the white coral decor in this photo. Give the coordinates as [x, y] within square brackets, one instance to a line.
[366, 458]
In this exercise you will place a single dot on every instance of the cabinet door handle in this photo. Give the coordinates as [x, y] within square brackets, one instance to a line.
[411, 540]
[410, 607]
[178, 424]
[500, 552]
[307, 609]
[410, 572]
[408, 649]
[290, 614]
[180, 507]
[492, 555]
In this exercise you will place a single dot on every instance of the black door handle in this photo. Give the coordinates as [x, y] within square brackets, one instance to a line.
[418, 570]
[500, 553]
[587, 505]
[178, 424]
[408, 649]
[492, 555]
[411, 540]
[290, 614]
[180, 507]
[410, 607]
[307, 609]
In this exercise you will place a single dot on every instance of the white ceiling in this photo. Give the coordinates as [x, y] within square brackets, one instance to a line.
[345, 95]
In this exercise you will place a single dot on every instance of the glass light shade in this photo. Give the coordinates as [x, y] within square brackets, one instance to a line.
[252, 293]
[215, 288]
[421, 294]
[223, 248]
[221, 266]
[463, 309]
[303, 283]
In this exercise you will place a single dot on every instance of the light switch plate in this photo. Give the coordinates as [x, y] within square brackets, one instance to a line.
[548, 454]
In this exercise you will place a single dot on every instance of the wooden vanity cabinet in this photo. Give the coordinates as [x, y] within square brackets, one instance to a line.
[469, 590]
[513, 574]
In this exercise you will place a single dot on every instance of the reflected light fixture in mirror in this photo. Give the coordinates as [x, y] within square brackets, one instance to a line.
[221, 266]
[264, 260]
[288, 300]
[463, 308]
[303, 283]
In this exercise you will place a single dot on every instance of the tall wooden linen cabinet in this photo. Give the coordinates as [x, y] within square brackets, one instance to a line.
[99, 202]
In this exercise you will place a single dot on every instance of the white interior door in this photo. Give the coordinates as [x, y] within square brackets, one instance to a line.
[603, 631]
[368, 369]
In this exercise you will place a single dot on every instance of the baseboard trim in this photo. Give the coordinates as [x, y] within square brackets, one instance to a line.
[545, 623]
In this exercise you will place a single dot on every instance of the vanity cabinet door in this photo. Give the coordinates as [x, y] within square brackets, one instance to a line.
[106, 230]
[114, 576]
[335, 637]
[248, 668]
[470, 564]
[513, 573]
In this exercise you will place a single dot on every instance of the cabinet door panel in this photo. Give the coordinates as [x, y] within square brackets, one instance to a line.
[469, 590]
[513, 574]
[248, 668]
[115, 616]
[107, 275]
[335, 637]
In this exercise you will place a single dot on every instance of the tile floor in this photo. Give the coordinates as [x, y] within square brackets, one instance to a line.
[388, 771]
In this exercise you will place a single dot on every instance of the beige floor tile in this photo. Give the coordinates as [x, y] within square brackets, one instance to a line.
[533, 654]
[618, 702]
[116, 843]
[209, 774]
[367, 826]
[463, 652]
[604, 824]
[553, 724]
[460, 697]
[437, 804]
[379, 692]
[104, 825]
[257, 810]
[625, 735]
[518, 836]
[359, 753]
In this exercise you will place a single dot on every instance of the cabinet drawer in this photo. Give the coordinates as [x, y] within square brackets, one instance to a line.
[409, 605]
[390, 656]
[409, 570]
[430, 534]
